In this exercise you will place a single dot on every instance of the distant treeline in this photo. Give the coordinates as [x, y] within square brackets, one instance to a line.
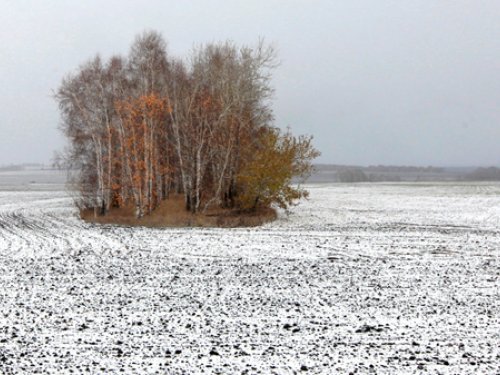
[381, 173]
[484, 174]
[11, 168]
[22, 167]
[381, 168]
[404, 169]
[357, 175]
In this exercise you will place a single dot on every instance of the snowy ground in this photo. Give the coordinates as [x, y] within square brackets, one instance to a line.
[380, 278]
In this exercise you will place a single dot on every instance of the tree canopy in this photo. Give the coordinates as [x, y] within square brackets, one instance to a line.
[144, 127]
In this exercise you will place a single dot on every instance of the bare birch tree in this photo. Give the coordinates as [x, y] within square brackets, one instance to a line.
[150, 125]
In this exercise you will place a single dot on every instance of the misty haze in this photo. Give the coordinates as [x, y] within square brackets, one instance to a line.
[273, 187]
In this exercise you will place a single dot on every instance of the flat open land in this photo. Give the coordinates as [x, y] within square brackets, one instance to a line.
[369, 278]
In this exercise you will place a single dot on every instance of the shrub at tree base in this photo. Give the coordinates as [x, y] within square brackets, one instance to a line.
[267, 177]
[149, 129]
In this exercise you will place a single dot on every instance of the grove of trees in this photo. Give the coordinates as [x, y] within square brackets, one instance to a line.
[151, 125]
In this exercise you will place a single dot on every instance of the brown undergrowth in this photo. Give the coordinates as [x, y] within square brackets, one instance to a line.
[172, 213]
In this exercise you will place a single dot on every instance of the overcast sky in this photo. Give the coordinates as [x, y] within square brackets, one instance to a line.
[376, 82]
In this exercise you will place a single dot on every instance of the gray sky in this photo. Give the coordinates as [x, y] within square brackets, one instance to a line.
[375, 82]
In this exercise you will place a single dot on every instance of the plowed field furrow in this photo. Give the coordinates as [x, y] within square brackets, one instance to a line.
[370, 278]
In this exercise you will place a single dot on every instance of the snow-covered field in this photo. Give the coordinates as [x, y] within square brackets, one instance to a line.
[377, 278]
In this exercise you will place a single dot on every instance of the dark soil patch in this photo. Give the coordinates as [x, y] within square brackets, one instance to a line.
[172, 213]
